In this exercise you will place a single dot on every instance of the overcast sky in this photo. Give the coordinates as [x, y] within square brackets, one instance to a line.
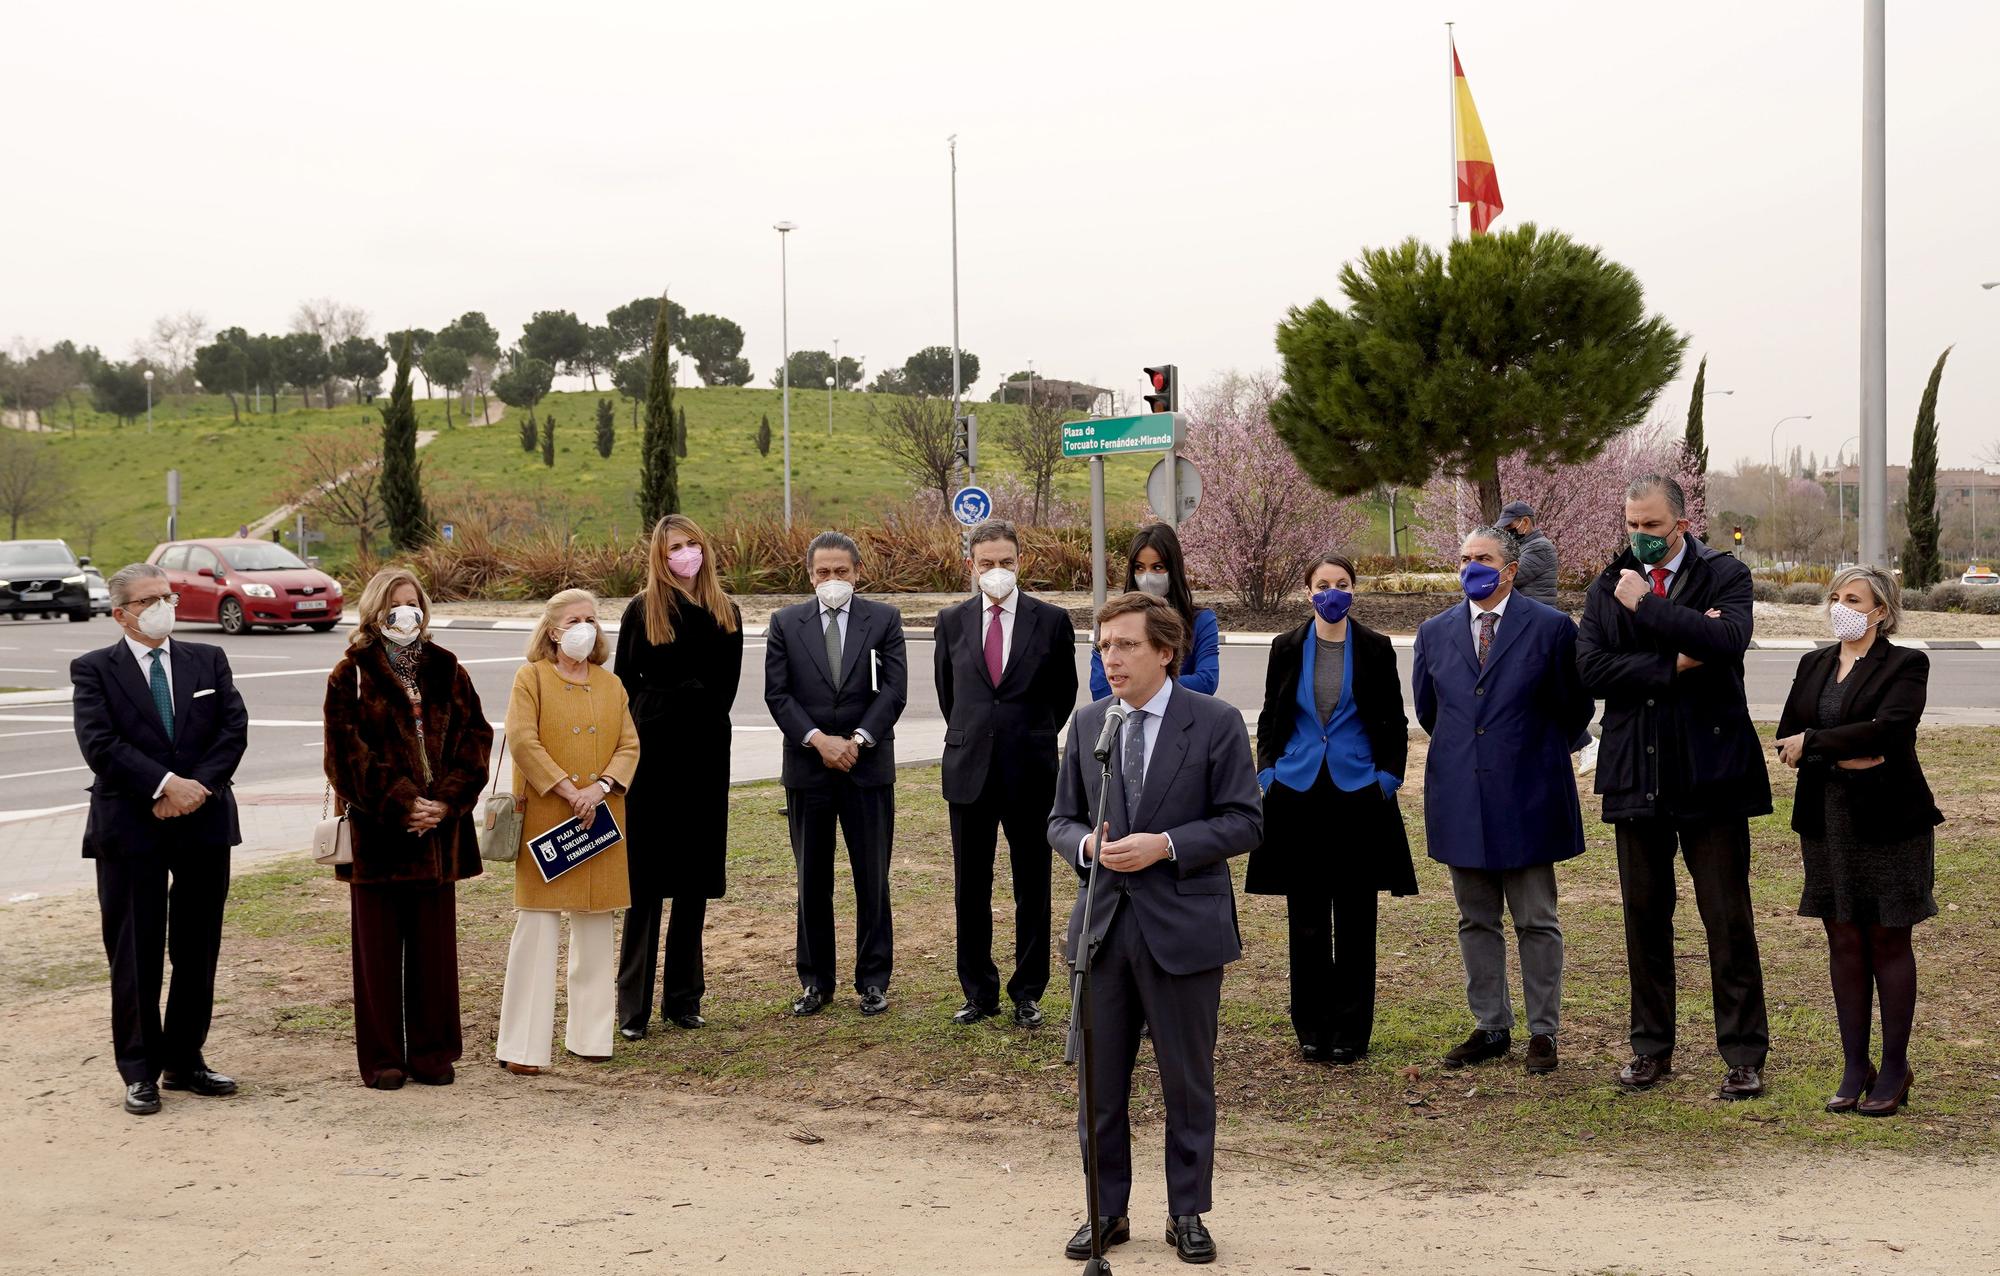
[1137, 182]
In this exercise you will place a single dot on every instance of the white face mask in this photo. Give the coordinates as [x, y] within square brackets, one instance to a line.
[835, 593]
[157, 621]
[579, 640]
[403, 625]
[997, 584]
[1154, 583]
[1849, 624]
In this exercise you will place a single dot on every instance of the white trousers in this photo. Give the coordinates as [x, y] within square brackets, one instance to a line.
[528, 999]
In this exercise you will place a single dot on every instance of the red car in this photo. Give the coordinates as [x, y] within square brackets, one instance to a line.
[237, 583]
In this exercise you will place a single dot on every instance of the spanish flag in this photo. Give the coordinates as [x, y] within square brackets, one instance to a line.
[1478, 184]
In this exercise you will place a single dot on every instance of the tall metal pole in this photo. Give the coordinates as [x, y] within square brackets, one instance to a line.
[784, 230]
[1874, 293]
[1097, 582]
[1451, 123]
[952, 141]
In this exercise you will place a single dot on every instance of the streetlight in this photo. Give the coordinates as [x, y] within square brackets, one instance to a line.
[1840, 487]
[784, 230]
[1991, 284]
[836, 364]
[149, 400]
[1801, 416]
[829, 407]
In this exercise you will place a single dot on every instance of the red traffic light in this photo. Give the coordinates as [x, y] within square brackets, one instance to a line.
[1166, 395]
[1158, 376]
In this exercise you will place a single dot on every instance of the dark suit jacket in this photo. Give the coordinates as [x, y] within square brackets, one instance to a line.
[1880, 706]
[1201, 791]
[126, 745]
[1498, 789]
[1004, 735]
[1674, 745]
[799, 689]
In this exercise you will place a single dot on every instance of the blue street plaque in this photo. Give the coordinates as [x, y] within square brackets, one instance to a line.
[971, 505]
[572, 842]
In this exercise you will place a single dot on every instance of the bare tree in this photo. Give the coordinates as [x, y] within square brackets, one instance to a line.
[32, 480]
[173, 342]
[334, 477]
[334, 322]
[916, 433]
[1035, 441]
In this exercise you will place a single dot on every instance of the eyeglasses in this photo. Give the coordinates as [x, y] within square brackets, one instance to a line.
[136, 605]
[1127, 647]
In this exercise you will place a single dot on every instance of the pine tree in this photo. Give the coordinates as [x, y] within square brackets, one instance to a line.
[1694, 445]
[659, 477]
[764, 436]
[681, 434]
[549, 439]
[402, 478]
[1921, 567]
[530, 437]
[606, 418]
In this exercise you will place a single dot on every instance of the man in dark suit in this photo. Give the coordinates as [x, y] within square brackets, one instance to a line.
[162, 727]
[1662, 641]
[1496, 690]
[1183, 800]
[1006, 681]
[835, 682]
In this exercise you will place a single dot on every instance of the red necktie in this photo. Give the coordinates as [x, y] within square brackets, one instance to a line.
[995, 640]
[1660, 581]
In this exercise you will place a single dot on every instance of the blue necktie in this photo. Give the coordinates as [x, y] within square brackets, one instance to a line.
[163, 695]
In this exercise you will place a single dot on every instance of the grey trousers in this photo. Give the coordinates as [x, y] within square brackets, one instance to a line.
[1530, 895]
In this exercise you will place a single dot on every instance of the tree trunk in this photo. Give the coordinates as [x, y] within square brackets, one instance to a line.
[483, 414]
[235, 416]
[305, 400]
[447, 408]
[326, 395]
[1487, 479]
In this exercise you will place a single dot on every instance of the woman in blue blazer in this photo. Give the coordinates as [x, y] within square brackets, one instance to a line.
[1332, 743]
[1156, 567]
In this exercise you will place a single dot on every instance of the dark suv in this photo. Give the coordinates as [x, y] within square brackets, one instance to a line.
[42, 578]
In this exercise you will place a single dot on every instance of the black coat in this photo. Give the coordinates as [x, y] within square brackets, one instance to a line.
[1879, 712]
[371, 761]
[677, 811]
[1674, 745]
[799, 690]
[126, 745]
[1004, 735]
[1297, 855]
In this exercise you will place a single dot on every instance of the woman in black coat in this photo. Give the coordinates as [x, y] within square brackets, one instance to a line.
[680, 653]
[1864, 815]
[1332, 744]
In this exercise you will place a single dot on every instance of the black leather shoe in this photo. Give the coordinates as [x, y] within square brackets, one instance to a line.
[1541, 1054]
[434, 1078]
[1646, 1071]
[1190, 1239]
[1312, 1052]
[388, 1079]
[972, 1012]
[810, 1002]
[1344, 1054]
[690, 1021]
[1028, 1014]
[873, 1000]
[1741, 1083]
[1116, 1231]
[1478, 1048]
[201, 1081]
[632, 1034]
[142, 1098]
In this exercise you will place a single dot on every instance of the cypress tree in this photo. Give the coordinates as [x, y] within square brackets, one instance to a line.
[1921, 567]
[549, 439]
[530, 436]
[659, 477]
[681, 434]
[402, 477]
[1694, 445]
[605, 427]
[764, 436]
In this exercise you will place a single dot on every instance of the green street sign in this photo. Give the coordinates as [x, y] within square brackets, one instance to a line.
[1112, 436]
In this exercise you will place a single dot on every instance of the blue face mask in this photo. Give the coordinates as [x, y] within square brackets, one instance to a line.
[1332, 604]
[1479, 580]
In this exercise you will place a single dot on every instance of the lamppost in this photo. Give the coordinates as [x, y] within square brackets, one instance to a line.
[829, 407]
[149, 400]
[836, 365]
[1801, 416]
[784, 230]
[1840, 487]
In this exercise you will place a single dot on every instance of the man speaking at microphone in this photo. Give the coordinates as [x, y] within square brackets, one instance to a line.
[1183, 799]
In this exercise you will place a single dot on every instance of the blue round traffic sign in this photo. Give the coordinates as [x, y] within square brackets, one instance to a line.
[971, 505]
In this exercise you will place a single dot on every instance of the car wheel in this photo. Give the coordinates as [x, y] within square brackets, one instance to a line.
[322, 626]
[231, 617]
[77, 617]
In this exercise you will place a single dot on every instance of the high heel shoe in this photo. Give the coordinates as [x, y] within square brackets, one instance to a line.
[1887, 1107]
[1848, 1102]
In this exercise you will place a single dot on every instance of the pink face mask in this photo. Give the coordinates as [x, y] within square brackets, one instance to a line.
[685, 561]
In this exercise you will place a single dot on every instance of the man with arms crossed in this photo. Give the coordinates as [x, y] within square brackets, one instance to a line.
[1183, 800]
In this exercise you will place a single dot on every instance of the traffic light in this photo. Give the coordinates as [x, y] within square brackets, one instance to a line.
[965, 440]
[1737, 532]
[1166, 383]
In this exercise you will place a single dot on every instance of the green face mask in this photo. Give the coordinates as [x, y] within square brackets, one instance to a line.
[1648, 549]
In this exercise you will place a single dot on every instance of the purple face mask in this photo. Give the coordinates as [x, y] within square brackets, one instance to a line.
[1332, 604]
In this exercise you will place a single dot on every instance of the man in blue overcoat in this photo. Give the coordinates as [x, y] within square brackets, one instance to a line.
[1497, 690]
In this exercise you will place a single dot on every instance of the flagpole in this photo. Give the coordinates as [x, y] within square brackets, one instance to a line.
[1451, 122]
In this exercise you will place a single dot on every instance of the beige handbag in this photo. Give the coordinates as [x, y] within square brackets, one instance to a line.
[333, 837]
[500, 817]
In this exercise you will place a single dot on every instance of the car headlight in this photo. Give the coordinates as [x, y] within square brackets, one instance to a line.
[257, 589]
[335, 591]
[75, 580]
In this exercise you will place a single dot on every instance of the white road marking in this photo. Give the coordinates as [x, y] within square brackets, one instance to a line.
[61, 770]
[32, 717]
[11, 735]
[22, 669]
[10, 817]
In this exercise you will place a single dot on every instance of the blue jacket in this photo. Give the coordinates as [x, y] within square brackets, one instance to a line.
[1201, 671]
[1498, 789]
[1339, 744]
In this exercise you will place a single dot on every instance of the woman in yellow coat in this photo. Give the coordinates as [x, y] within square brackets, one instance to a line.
[574, 747]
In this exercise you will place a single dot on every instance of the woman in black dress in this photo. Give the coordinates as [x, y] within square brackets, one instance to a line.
[1864, 816]
[1332, 743]
[680, 653]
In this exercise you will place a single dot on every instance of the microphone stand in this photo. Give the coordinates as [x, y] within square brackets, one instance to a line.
[1086, 1054]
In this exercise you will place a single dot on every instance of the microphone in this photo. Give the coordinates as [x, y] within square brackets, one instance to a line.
[1114, 717]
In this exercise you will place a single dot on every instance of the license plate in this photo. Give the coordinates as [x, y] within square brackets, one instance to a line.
[312, 604]
[39, 596]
